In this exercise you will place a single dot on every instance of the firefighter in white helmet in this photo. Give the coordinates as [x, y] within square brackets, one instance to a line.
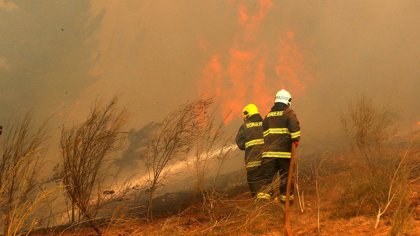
[250, 139]
[281, 130]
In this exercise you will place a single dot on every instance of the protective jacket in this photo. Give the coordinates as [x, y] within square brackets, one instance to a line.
[281, 128]
[250, 138]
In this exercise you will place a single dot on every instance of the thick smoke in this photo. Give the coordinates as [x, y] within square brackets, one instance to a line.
[45, 56]
[158, 52]
[59, 56]
[137, 146]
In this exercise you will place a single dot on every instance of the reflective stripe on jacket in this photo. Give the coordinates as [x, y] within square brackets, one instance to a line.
[250, 138]
[280, 128]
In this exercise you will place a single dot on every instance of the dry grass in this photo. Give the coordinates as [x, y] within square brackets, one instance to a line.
[233, 216]
[237, 214]
[21, 163]
[342, 193]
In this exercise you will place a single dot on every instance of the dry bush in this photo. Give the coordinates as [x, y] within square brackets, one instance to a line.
[211, 149]
[21, 163]
[376, 172]
[206, 143]
[172, 142]
[402, 215]
[317, 170]
[368, 128]
[211, 195]
[84, 151]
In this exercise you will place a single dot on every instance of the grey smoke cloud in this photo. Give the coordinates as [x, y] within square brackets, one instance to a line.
[59, 56]
[137, 146]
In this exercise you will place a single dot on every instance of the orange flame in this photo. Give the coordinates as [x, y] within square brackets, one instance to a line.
[239, 76]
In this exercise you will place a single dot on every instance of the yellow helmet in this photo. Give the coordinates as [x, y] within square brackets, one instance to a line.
[249, 110]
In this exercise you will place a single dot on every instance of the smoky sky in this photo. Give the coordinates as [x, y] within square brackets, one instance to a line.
[59, 56]
[45, 54]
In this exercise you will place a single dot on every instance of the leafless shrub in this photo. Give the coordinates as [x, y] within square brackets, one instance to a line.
[211, 149]
[21, 163]
[209, 192]
[397, 189]
[172, 142]
[84, 150]
[317, 169]
[205, 145]
[402, 215]
[376, 172]
[368, 129]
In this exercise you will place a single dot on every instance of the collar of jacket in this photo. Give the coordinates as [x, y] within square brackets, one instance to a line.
[254, 118]
[278, 106]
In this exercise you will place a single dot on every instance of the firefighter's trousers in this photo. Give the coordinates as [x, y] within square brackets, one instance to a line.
[254, 179]
[269, 168]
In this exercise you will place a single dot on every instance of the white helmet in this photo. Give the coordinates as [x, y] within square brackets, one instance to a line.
[284, 97]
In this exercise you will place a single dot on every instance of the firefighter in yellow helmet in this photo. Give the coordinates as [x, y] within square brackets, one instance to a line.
[281, 130]
[250, 139]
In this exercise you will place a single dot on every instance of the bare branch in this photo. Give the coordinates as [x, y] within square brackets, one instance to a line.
[173, 141]
[84, 151]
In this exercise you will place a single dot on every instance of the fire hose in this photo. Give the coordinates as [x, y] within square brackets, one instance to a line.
[288, 227]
